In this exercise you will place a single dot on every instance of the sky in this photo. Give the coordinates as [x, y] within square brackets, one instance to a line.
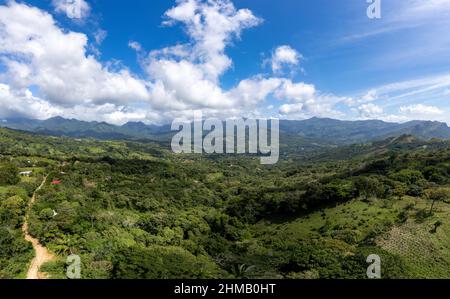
[154, 61]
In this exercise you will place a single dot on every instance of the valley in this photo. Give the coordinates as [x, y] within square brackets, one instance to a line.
[133, 209]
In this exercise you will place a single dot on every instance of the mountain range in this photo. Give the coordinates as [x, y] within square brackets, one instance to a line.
[321, 130]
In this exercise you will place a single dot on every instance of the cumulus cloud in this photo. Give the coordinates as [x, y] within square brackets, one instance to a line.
[307, 101]
[187, 76]
[36, 54]
[321, 105]
[211, 25]
[370, 96]
[135, 46]
[368, 111]
[291, 108]
[284, 56]
[74, 9]
[254, 90]
[18, 103]
[421, 109]
[421, 98]
[402, 114]
[296, 92]
[416, 112]
[22, 103]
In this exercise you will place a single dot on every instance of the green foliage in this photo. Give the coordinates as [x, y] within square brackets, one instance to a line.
[15, 252]
[9, 174]
[46, 214]
[410, 177]
[163, 263]
[134, 210]
[436, 195]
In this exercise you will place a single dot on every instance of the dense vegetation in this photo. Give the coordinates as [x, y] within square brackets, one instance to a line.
[135, 210]
[15, 252]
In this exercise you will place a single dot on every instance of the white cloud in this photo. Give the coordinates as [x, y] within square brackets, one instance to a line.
[284, 56]
[74, 9]
[368, 111]
[418, 99]
[135, 46]
[100, 36]
[25, 104]
[254, 90]
[420, 109]
[370, 96]
[291, 108]
[187, 76]
[182, 85]
[296, 91]
[432, 89]
[211, 25]
[36, 54]
[321, 105]
[22, 103]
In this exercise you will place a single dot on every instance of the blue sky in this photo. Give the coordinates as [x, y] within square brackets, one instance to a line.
[156, 60]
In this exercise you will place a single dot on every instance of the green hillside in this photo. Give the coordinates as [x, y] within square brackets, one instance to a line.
[135, 210]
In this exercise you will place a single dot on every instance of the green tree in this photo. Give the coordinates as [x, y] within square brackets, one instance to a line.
[9, 174]
[436, 195]
[46, 214]
[410, 177]
[369, 187]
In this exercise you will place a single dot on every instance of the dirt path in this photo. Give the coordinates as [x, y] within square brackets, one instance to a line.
[42, 255]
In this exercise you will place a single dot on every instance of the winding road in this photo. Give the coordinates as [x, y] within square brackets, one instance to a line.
[42, 254]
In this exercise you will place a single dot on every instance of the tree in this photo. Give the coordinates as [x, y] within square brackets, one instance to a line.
[369, 187]
[9, 174]
[46, 214]
[11, 210]
[339, 191]
[408, 176]
[436, 174]
[436, 195]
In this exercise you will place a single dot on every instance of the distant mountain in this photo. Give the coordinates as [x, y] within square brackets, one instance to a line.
[59, 126]
[323, 131]
[348, 132]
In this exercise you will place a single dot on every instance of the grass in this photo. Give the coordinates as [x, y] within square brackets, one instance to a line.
[425, 253]
[357, 217]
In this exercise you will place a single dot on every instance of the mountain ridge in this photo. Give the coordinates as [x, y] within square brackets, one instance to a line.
[332, 131]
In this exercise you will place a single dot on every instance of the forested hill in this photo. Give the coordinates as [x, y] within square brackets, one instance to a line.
[136, 210]
[320, 130]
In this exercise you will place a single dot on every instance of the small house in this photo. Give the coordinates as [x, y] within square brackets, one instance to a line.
[25, 173]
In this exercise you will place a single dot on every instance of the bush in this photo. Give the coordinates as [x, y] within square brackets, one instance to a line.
[410, 177]
[158, 262]
[9, 174]
[46, 214]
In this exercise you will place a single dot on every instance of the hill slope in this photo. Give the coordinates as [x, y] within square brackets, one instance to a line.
[134, 210]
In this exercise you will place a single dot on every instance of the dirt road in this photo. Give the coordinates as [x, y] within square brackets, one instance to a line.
[42, 254]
